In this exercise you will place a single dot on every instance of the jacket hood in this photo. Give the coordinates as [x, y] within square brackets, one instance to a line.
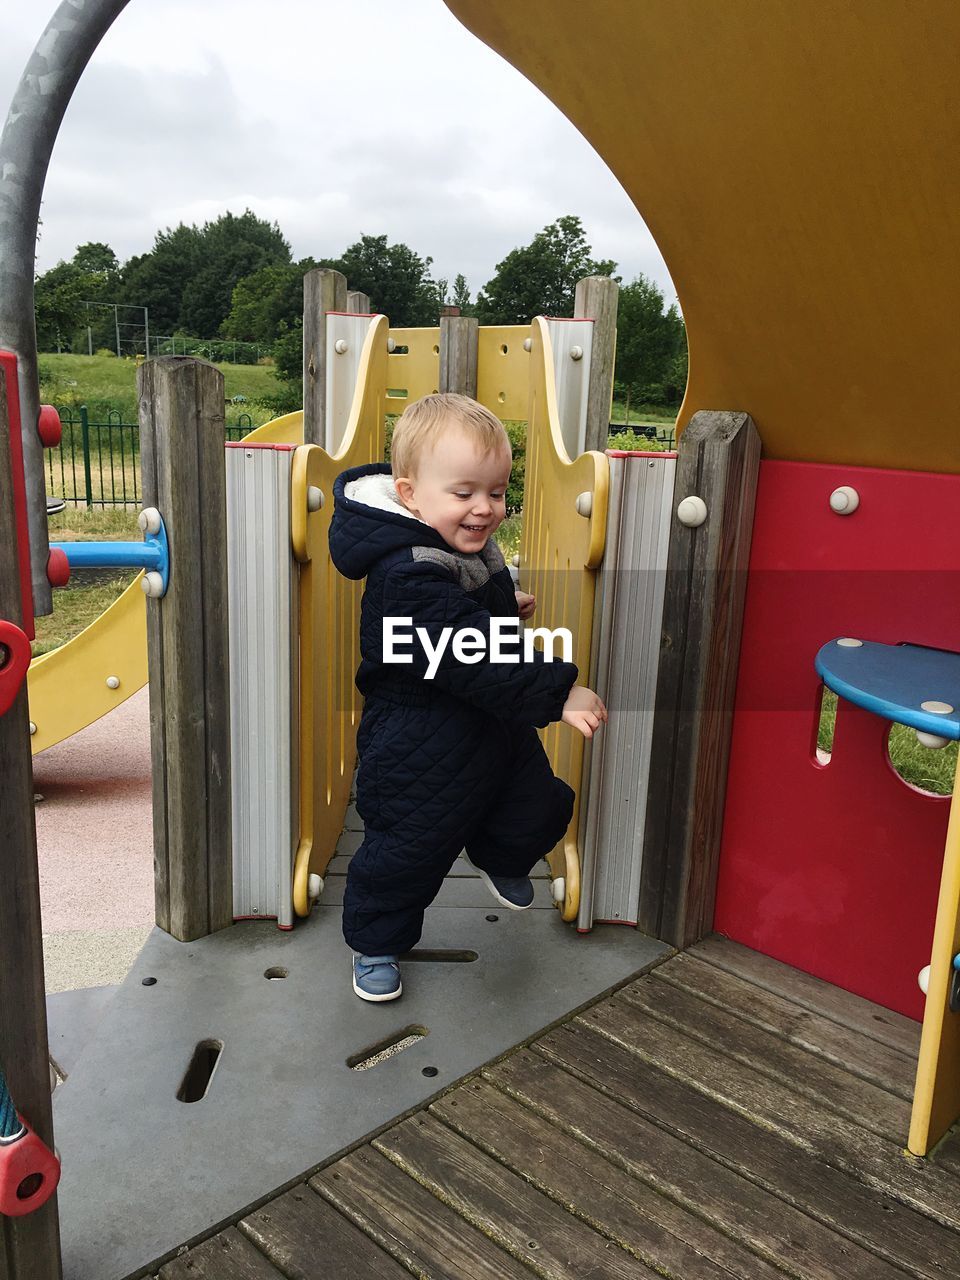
[369, 520]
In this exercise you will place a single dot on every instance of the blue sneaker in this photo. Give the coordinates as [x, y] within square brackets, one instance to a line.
[513, 892]
[376, 977]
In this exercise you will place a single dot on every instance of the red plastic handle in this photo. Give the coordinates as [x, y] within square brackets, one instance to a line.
[14, 660]
[48, 427]
[29, 1173]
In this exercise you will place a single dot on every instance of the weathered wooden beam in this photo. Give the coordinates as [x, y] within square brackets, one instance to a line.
[184, 476]
[29, 1246]
[719, 457]
[596, 299]
[459, 336]
[358, 304]
[323, 290]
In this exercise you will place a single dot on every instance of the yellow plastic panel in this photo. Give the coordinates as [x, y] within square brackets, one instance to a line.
[503, 371]
[796, 162]
[68, 688]
[415, 373]
[936, 1099]
[560, 553]
[330, 704]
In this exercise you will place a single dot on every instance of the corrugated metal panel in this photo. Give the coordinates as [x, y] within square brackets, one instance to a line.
[263, 681]
[626, 660]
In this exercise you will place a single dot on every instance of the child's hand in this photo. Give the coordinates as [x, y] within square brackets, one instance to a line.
[526, 603]
[584, 710]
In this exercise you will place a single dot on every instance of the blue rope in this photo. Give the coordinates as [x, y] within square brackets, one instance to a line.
[9, 1120]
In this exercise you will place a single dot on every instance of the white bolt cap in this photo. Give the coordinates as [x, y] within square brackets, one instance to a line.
[391, 344]
[848, 642]
[938, 708]
[528, 344]
[33, 728]
[314, 886]
[931, 740]
[844, 501]
[314, 498]
[576, 353]
[692, 512]
[149, 520]
[585, 504]
[152, 585]
[113, 682]
[559, 889]
[923, 979]
[516, 561]
[340, 346]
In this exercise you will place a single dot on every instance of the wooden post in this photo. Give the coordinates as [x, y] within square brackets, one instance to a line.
[596, 300]
[459, 336]
[323, 290]
[358, 304]
[719, 457]
[184, 476]
[29, 1246]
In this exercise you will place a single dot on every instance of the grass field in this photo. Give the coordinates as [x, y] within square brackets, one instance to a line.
[105, 383]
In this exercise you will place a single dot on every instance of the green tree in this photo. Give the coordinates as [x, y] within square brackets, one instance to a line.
[268, 302]
[650, 341]
[396, 279]
[60, 294]
[187, 279]
[541, 278]
[461, 295]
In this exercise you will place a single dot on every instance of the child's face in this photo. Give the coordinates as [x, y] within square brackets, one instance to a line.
[462, 495]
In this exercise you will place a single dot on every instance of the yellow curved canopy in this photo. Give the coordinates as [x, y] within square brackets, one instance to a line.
[796, 161]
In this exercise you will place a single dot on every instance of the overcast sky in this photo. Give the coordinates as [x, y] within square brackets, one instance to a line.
[332, 120]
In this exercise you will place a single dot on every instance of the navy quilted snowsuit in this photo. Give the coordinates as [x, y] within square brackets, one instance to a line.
[448, 763]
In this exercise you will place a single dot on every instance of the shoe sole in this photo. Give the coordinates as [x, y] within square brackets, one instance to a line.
[374, 999]
[504, 902]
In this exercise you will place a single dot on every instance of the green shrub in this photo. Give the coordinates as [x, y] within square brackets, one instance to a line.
[632, 440]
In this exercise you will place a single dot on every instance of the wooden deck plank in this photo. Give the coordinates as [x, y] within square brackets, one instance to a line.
[662, 1234]
[872, 1020]
[520, 1219]
[628, 1132]
[891, 1069]
[227, 1256]
[825, 1082]
[836, 1140]
[416, 1228]
[305, 1236]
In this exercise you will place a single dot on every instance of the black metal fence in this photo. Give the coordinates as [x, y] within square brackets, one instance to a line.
[98, 463]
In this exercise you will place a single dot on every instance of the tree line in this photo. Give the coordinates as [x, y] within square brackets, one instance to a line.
[235, 277]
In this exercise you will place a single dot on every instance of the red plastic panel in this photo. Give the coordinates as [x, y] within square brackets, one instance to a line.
[835, 868]
[9, 363]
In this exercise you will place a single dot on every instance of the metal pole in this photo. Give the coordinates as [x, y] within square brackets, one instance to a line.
[41, 98]
[146, 331]
[116, 327]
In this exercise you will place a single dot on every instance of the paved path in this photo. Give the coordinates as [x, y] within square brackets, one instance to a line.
[94, 836]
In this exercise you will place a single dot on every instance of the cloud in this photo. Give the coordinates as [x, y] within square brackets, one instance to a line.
[331, 120]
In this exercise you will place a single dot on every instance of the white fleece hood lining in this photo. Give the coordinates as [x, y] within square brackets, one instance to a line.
[378, 491]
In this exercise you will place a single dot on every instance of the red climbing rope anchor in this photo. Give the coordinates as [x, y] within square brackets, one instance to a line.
[29, 1172]
[14, 660]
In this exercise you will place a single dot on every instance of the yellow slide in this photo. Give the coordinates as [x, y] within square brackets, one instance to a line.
[107, 662]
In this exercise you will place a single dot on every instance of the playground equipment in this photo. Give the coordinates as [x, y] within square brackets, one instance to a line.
[833, 867]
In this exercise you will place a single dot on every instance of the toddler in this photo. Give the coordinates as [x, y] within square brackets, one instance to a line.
[449, 756]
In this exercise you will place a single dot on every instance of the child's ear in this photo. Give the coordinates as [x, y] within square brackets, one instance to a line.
[404, 488]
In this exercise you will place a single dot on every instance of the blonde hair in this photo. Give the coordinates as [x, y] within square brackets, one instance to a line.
[423, 424]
